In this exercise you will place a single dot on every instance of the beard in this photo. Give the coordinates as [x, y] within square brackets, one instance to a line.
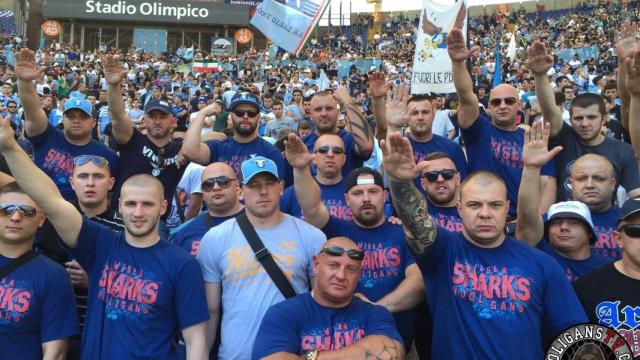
[244, 131]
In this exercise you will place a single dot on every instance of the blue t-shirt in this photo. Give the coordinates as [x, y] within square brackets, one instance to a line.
[139, 298]
[386, 258]
[490, 303]
[353, 160]
[234, 153]
[54, 155]
[332, 197]
[574, 269]
[300, 324]
[438, 143]
[499, 151]
[604, 224]
[37, 306]
[446, 217]
[189, 234]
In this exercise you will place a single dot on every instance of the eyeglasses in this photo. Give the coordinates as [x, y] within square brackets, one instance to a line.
[337, 150]
[632, 230]
[432, 176]
[222, 181]
[338, 251]
[25, 210]
[97, 160]
[508, 100]
[241, 113]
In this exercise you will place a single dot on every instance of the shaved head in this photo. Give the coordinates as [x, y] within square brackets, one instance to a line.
[144, 181]
[218, 169]
[592, 159]
[483, 179]
[342, 241]
[502, 89]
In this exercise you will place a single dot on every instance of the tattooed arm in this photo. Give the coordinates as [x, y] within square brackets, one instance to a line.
[420, 228]
[358, 125]
[372, 347]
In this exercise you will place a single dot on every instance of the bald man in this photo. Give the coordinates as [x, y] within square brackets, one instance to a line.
[330, 320]
[593, 182]
[142, 290]
[494, 144]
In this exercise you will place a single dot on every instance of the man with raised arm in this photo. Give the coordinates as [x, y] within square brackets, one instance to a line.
[566, 231]
[142, 290]
[54, 150]
[588, 113]
[489, 295]
[493, 144]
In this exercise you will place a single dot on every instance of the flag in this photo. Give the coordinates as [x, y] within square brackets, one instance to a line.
[324, 81]
[511, 48]
[204, 66]
[497, 73]
[288, 23]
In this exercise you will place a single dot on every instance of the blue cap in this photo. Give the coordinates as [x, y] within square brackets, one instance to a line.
[256, 165]
[244, 98]
[203, 99]
[77, 95]
[80, 104]
[161, 105]
[629, 208]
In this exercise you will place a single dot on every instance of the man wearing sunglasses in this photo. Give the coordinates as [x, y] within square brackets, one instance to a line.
[610, 294]
[54, 150]
[330, 158]
[390, 278]
[588, 114]
[230, 266]
[441, 182]
[245, 142]
[142, 290]
[329, 321]
[38, 310]
[494, 143]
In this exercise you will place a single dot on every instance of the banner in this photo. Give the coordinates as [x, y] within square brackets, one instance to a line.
[253, 3]
[222, 45]
[432, 65]
[288, 23]
[204, 66]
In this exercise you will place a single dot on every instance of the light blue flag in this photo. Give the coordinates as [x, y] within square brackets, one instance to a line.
[497, 73]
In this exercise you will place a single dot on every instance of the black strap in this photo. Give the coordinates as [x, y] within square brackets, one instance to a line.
[179, 209]
[17, 262]
[264, 257]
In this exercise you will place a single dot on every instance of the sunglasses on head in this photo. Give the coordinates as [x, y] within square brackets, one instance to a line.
[241, 113]
[97, 160]
[25, 210]
[222, 181]
[432, 176]
[632, 230]
[508, 100]
[334, 149]
[334, 250]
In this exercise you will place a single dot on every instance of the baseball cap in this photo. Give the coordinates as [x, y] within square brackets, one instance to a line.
[203, 99]
[629, 208]
[256, 165]
[571, 209]
[244, 98]
[353, 178]
[78, 103]
[161, 105]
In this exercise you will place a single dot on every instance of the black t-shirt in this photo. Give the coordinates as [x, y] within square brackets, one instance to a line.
[617, 131]
[144, 157]
[619, 153]
[612, 299]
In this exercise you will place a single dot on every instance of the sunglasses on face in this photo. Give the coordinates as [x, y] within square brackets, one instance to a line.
[338, 251]
[25, 210]
[432, 176]
[222, 181]
[497, 101]
[632, 230]
[241, 113]
[97, 160]
[334, 149]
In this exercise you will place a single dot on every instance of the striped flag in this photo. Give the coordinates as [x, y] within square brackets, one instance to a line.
[204, 66]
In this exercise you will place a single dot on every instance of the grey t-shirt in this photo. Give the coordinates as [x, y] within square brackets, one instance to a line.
[274, 126]
[247, 290]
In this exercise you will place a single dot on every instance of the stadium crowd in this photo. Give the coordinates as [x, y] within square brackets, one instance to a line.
[270, 210]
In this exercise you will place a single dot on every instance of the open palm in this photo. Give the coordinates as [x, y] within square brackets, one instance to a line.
[539, 60]
[113, 71]
[535, 151]
[26, 68]
[296, 152]
[457, 46]
[378, 86]
[627, 44]
[398, 158]
[6, 133]
[397, 114]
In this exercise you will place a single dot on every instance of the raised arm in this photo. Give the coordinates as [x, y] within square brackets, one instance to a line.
[540, 62]
[27, 71]
[420, 228]
[534, 155]
[193, 148]
[358, 125]
[397, 114]
[122, 126]
[624, 49]
[468, 110]
[633, 84]
[35, 183]
[378, 87]
[306, 189]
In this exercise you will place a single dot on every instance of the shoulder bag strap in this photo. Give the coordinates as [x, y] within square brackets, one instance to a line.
[264, 257]
[17, 262]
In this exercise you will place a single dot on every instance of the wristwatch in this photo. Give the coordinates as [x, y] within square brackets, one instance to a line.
[311, 355]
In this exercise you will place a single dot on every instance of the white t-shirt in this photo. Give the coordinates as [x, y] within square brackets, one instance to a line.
[189, 184]
[442, 123]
